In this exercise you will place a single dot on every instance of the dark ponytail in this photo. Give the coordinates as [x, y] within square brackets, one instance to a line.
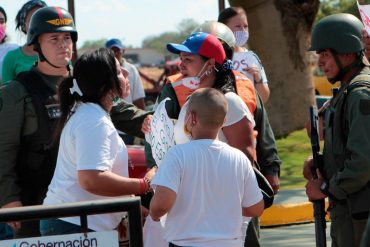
[66, 103]
[225, 79]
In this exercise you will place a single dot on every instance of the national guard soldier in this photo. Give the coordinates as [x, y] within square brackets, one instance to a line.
[345, 177]
[28, 111]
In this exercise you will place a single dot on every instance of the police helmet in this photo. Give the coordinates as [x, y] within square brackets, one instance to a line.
[50, 20]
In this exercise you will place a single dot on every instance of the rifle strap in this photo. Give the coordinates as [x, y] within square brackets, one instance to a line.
[362, 80]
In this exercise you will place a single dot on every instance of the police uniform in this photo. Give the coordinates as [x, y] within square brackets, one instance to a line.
[27, 161]
[347, 159]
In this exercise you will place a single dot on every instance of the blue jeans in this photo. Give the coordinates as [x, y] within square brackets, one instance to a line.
[57, 227]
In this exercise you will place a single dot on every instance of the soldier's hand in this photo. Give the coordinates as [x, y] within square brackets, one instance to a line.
[15, 225]
[307, 168]
[313, 188]
[145, 127]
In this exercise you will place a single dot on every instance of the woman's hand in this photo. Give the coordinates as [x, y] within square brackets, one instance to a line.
[255, 72]
[145, 127]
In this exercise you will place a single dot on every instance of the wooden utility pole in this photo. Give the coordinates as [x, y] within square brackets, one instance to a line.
[221, 5]
[71, 10]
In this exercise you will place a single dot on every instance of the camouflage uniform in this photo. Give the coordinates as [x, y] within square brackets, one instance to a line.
[347, 159]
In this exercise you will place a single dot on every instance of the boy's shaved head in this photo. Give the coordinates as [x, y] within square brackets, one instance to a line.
[210, 106]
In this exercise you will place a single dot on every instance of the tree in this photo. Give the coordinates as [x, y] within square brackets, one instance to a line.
[330, 7]
[94, 44]
[185, 27]
[279, 34]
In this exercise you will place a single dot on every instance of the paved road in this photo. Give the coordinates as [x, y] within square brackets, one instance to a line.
[302, 235]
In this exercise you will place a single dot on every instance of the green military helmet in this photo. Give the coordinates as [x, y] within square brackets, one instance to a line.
[50, 20]
[218, 29]
[340, 32]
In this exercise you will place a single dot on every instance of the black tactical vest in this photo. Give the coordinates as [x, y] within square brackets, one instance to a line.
[38, 154]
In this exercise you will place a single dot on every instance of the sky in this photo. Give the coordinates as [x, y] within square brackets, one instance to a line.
[129, 20]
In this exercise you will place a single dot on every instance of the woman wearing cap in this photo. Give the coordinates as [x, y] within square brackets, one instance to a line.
[24, 57]
[4, 47]
[204, 65]
[236, 19]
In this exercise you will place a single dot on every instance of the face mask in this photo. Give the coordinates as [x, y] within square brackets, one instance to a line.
[241, 37]
[193, 82]
[2, 32]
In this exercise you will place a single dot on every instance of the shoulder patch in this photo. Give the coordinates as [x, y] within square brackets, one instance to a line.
[365, 106]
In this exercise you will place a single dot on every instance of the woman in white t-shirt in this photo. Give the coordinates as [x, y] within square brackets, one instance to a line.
[244, 60]
[92, 161]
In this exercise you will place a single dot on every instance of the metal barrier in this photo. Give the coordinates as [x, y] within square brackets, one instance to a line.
[83, 209]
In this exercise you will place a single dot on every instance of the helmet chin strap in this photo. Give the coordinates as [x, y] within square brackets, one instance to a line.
[343, 70]
[42, 58]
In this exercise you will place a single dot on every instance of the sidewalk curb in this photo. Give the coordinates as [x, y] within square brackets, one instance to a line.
[283, 214]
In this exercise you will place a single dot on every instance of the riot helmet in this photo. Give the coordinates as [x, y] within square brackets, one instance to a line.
[339, 32]
[50, 20]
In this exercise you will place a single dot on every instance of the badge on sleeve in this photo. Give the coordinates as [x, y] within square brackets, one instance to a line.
[365, 106]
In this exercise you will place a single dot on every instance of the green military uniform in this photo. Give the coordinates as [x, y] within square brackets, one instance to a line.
[128, 118]
[18, 121]
[366, 237]
[347, 159]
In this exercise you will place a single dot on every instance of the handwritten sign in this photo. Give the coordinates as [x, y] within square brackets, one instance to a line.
[161, 137]
[365, 15]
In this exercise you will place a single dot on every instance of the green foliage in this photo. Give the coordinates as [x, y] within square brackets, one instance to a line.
[94, 44]
[158, 42]
[329, 7]
[293, 150]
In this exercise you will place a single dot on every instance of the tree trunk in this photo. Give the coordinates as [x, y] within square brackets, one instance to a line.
[279, 34]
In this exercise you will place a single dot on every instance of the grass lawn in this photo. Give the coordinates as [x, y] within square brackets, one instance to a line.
[293, 150]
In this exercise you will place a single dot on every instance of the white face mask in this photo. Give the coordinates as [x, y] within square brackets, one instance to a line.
[193, 82]
[241, 37]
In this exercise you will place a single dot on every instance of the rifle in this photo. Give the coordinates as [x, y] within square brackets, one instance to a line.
[318, 205]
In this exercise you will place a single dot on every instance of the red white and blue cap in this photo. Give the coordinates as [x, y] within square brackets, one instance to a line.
[200, 43]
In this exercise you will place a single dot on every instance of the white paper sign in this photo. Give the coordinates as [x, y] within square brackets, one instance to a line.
[365, 15]
[244, 60]
[161, 137]
[93, 239]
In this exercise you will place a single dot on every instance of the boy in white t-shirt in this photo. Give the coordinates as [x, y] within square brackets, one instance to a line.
[205, 185]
